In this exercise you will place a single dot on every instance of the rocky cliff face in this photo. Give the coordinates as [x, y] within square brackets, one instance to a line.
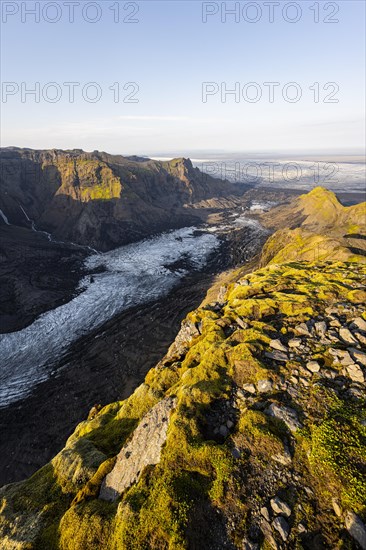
[262, 442]
[102, 200]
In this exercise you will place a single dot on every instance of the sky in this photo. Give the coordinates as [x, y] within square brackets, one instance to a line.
[154, 77]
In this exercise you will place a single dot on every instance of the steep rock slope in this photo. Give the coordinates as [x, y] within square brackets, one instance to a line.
[263, 443]
[102, 200]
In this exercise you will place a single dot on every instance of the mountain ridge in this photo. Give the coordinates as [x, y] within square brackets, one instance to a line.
[260, 406]
[103, 200]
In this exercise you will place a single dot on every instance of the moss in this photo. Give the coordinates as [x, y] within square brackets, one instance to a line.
[92, 487]
[338, 454]
[87, 526]
[260, 434]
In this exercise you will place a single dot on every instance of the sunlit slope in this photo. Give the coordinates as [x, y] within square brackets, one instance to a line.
[317, 227]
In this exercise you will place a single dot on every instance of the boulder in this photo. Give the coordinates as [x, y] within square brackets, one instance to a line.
[320, 327]
[302, 329]
[359, 356]
[277, 356]
[356, 528]
[294, 342]
[355, 373]
[281, 525]
[313, 366]
[286, 414]
[347, 336]
[359, 324]
[280, 507]
[250, 388]
[143, 449]
[277, 344]
[264, 386]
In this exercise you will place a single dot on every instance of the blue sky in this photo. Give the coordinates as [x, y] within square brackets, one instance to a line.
[169, 53]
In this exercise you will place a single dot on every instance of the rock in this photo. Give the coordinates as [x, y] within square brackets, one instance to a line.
[301, 528]
[223, 431]
[280, 507]
[277, 344]
[283, 458]
[335, 323]
[230, 424]
[356, 528]
[359, 356]
[345, 358]
[330, 373]
[320, 327]
[361, 338]
[143, 449]
[187, 333]
[346, 336]
[242, 324]
[313, 366]
[333, 335]
[222, 294]
[266, 529]
[250, 388]
[355, 392]
[294, 342]
[302, 329]
[286, 414]
[249, 545]
[265, 513]
[337, 509]
[304, 382]
[277, 356]
[359, 323]
[264, 386]
[281, 525]
[236, 453]
[293, 392]
[355, 373]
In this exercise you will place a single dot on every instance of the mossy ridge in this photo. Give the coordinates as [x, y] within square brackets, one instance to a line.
[159, 511]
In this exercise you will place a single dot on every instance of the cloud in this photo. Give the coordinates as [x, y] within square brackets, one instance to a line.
[154, 118]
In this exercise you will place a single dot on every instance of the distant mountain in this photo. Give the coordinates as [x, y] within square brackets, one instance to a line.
[102, 200]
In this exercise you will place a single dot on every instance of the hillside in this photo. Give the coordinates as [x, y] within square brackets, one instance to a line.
[315, 226]
[102, 200]
[250, 432]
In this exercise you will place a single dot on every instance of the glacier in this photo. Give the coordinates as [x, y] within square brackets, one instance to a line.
[127, 276]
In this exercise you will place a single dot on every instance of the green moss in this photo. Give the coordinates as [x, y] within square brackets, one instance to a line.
[338, 454]
[262, 435]
[87, 526]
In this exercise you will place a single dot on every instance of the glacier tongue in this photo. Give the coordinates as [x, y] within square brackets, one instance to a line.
[133, 274]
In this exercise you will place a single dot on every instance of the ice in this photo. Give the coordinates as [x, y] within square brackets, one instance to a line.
[5, 219]
[134, 274]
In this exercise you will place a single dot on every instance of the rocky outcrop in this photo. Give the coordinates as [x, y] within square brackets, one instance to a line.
[144, 449]
[102, 200]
